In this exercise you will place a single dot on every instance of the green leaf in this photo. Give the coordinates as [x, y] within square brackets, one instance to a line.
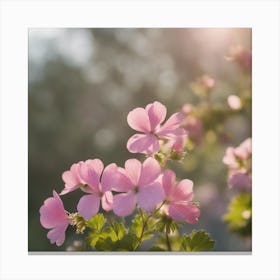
[239, 215]
[137, 227]
[127, 243]
[197, 241]
[119, 230]
[97, 222]
[105, 244]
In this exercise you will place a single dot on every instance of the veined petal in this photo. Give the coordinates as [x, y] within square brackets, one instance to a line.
[150, 171]
[138, 119]
[71, 178]
[173, 122]
[96, 165]
[108, 179]
[52, 212]
[107, 201]
[150, 196]
[88, 205]
[57, 234]
[183, 191]
[143, 143]
[184, 212]
[123, 182]
[157, 113]
[133, 169]
[90, 176]
[168, 182]
[124, 204]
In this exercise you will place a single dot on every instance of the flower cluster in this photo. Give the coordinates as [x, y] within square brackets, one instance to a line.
[239, 161]
[145, 186]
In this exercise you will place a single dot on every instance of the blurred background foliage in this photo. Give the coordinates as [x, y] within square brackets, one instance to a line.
[83, 83]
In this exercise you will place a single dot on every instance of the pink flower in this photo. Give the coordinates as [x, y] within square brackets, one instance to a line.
[138, 182]
[149, 122]
[244, 150]
[240, 181]
[179, 197]
[234, 156]
[53, 216]
[98, 183]
[72, 178]
[229, 158]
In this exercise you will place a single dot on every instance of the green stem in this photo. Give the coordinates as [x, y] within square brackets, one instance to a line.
[167, 241]
[144, 222]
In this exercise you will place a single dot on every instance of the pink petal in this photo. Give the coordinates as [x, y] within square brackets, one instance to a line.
[52, 213]
[184, 212]
[71, 178]
[133, 169]
[108, 179]
[229, 158]
[96, 164]
[90, 176]
[183, 191]
[57, 234]
[151, 169]
[122, 181]
[143, 143]
[150, 196]
[138, 119]
[172, 123]
[168, 182]
[157, 113]
[124, 204]
[178, 143]
[107, 201]
[88, 205]
[240, 181]
[244, 150]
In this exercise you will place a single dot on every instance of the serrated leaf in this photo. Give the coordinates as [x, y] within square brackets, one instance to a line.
[197, 241]
[97, 222]
[119, 230]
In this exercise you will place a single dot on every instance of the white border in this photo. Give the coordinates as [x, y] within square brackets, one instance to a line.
[18, 16]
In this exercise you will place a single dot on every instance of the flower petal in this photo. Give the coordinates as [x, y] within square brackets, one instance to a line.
[184, 212]
[133, 169]
[143, 143]
[157, 113]
[122, 181]
[88, 205]
[124, 204]
[138, 119]
[108, 179]
[52, 213]
[71, 178]
[172, 123]
[183, 191]
[107, 201]
[96, 164]
[90, 175]
[240, 181]
[150, 171]
[57, 234]
[150, 196]
[168, 182]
